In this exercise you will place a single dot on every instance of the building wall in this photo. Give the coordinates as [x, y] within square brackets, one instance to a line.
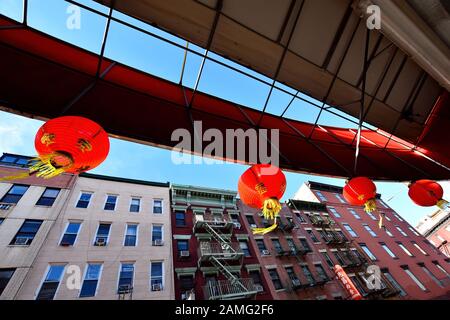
[188, 199]
[111, 255]
[392, 220]
[21, 258]
[329, 290]
[436, 228]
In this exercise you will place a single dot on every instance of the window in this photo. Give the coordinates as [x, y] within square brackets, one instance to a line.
[51, 282]
[261, 246]
[386, 216]
[91, 279]
[275, 279]
[16, 160]
[14, 194]
[369, 230]
[430, 274]
[368, 252]
[300, 217]
[84, 200]
[386, 248]
[419, 248]
[338, 196]
[414, 231]
[180, 218]
[135, 205]
[126, 277]
[383, 204]
[370, 214]
[350, 230]
[131, 235]
[334, 212]
[110, 203]
[328, 259]
[339, 258]
[256, 276]
[5, 276]
[48, 197]
[305, 244]
[404, 249]
[244, 247]
[313, 236]
[182, 245]
[157, 206]
[321, 196]
[414, 278]
[156, 276]
[251, 220]
[308, 274]
[354, 214]
[291, 245]
[102, 236]
[401, 231]
[388, 232]
[26, 233]
[71, 233]
[321, 272]
[441, 268]
[157, 234]
[187, 286]
[398, 217]
[277, 245]
[358, 284]
[393, 282]
[1, 220]
[291, 274]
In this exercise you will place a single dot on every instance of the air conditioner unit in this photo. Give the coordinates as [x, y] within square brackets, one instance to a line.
[253, 225]
[188, 295]
[296, 282]
[65, 244]
[125, 288]
[184, 253]
[158, 242]
[265, 252]
[259, 288]
[237, 225]
[22, 241]
[100, 242]
[156, 287]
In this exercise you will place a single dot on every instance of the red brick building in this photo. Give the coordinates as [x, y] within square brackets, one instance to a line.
[213, 256]
[407, 260]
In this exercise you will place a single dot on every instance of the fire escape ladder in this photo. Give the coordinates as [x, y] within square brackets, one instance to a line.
[222, 266]
[217, 236]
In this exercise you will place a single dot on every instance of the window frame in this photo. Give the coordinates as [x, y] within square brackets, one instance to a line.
[120, 272]
[126, 234]
[162, 232]
[153, 205]
[43, 280]
[44, 197]
[96, 233]
[88, 202]
[65, 232]
[106, 202]
[414, 278]
[2, 200]
[131, 205]
[13, 240]
[98, 279]
[162, 276]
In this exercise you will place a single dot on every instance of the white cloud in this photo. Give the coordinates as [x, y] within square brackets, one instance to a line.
[17, 133]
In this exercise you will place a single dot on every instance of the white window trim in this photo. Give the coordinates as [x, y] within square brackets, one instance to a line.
[36, 293]
[416, 245]
[125, 234]
[402, 232]
[98, 280]
[162, 205]
[413, 277]
[65, 230]
[120, 269]
[96, 232]
[79, 197]
[162, 275]
[131, 201]
[389, 251]
[106, 199]
[405, 250]
[162, 231]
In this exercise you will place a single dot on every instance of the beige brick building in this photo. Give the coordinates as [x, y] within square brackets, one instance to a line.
[106, 238]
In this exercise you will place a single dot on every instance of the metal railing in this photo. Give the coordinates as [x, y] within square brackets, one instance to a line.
[320, 221]
[226, 289]
[6, 206]
[220, 250]
[212, 220]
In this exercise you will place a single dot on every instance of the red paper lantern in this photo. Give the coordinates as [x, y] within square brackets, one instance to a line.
[361, 191]
[69, 144]
[427, 193]
[262, 186]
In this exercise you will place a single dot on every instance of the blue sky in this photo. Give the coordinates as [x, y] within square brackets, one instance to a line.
[154, 56]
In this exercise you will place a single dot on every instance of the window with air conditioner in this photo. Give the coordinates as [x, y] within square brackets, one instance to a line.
[251, 221]
[274, 276]
[111, 201]
[321, 272]
[262, 247]
[243, 244]
[257, 281]
[70, 235]
[126, 278]
[156, 276]
[157, 235]
[131, 235]
[14, 194]
[26, 233]
[51, 282]
[83, 201]
[308, 275]
[91, 280]
[48, 197]
[328, 260]
[313, 236]
[187, 287]
[102, 236]
[305, 244]
[183, 248]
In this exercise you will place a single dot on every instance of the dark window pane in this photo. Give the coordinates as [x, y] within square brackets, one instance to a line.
[5, 276]
[47, 291]
[88, 289]
[27, 232]
[182, 245]
[14, 194]
[68, 239]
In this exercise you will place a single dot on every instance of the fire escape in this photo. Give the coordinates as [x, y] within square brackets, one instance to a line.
[223, 254]
[351, 259]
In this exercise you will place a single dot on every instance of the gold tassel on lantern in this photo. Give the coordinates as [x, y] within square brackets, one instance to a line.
[51, 165]
[270, 210]
[370, 205]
